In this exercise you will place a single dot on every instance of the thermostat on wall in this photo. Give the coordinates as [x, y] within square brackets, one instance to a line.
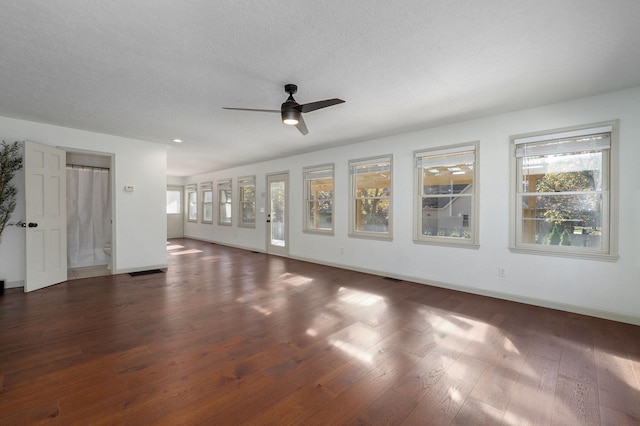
[128, 188]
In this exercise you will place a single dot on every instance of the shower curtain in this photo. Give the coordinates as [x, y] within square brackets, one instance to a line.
[88, 215]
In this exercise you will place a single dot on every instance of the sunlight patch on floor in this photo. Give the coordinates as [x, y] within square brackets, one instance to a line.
[352, 350]
[174, 247]
[358, 297]
[190, 251]
[295, 280]
[262, 310]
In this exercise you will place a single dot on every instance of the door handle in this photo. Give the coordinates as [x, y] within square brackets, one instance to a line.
[33, 225]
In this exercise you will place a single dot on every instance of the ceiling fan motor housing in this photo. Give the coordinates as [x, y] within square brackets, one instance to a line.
[290, 115]
[290, 88]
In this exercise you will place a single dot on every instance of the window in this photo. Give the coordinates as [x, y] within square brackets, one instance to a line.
[564, 198]
[446, 195]
[192, 203]
[247, 201]
[224, 202]
[174, 204]
[318, 196]
[371, 207]
[206, 191]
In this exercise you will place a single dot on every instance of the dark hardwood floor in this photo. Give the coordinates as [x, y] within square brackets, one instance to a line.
[228, 336]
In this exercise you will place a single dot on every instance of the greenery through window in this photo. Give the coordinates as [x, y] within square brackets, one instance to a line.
[318, 190]
[371, 183]
[224, 202]
[247, 201]
[446, 195]
[564, 191]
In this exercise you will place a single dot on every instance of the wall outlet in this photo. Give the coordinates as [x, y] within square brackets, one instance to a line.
[502, 272]
[341, 250]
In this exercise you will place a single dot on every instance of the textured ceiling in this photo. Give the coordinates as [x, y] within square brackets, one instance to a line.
[162, 69]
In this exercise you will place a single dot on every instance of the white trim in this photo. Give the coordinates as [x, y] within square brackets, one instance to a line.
[563, 135]
[223, 185]
[242, 182]
[353, 232]
[610, 189]
[566, 307]
[329, 172]
[462, 151]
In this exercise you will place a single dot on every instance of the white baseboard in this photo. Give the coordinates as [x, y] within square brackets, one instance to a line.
[583, 310]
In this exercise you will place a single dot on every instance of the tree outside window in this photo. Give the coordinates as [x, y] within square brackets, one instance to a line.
[564, 200]
[371, 184]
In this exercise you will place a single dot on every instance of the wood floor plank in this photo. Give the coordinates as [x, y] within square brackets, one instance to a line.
[229, 336]
[440, 403]
[532, 398]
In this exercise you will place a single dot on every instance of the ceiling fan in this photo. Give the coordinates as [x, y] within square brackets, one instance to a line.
[291, 111]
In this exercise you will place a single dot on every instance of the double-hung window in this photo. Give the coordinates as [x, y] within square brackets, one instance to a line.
[247, 201]
[446, 182]
[565, 200]
[192, 203]
[224, 202]
[206, 192]
[370, 212]
[318, 196]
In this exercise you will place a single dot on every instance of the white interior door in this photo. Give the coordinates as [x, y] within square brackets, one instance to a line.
[278, 214]
[175, 215]
[46, 216]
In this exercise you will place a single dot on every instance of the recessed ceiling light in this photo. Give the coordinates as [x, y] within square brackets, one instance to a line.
[176, 140]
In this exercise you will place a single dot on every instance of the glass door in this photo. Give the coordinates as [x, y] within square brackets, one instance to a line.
[278, 214]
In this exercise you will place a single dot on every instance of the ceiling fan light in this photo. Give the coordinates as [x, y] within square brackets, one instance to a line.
[291, 117]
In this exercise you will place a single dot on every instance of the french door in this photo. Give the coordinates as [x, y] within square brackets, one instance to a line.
[278, 214]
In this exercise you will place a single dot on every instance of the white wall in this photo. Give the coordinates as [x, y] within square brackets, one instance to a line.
[139, 220]
[606, 289]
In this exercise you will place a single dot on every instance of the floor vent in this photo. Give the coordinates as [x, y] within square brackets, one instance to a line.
[149, 272]
[395, 280]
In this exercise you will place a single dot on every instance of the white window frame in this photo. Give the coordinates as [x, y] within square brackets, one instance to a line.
[423, 158]
[242, 182]
[308, 173]
[609, 225]
[371, 161]
[206, 187]
[191, 189]
[225, 185]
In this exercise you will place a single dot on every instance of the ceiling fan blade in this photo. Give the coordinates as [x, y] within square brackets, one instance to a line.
[312, 106]
[302, 126]
[253, 109]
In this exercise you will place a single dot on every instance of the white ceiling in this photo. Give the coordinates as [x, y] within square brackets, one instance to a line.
[156, 70]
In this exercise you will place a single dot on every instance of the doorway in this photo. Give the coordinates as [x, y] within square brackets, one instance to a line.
[89, 215]
[175, 217]
[277, 200]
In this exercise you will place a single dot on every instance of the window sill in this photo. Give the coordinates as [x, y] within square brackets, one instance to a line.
[318, 232]
[568, 254]
[371, 236]
[447, 243]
